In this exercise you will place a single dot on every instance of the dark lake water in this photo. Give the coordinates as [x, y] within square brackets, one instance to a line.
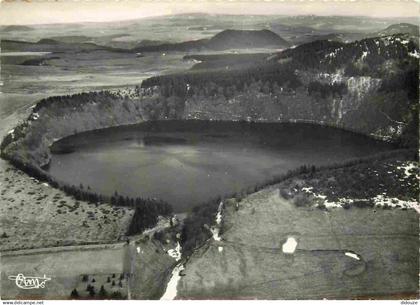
[189, 162]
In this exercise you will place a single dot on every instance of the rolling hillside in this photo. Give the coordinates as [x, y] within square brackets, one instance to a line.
[227, 39]
[53, 46]
[369, 85]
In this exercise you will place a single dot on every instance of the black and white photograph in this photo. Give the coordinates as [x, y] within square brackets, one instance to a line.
[209, 150]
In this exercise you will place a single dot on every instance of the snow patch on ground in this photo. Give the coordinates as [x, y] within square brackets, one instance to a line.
[289, 246]
[163, 223]
[408, 167]
[171, 290]
[414, 54]
[219, 213]
[382, 200]
[364, 55]
[176, 252]
[353, 255]
[333, 53]
[379, 200]
[307, 189]
[12, 133]
[323, 198]
[215, 230]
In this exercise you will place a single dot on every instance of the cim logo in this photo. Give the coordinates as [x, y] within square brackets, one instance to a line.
[29, 282]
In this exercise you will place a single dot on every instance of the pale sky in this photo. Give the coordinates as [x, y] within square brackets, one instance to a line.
[66, 11]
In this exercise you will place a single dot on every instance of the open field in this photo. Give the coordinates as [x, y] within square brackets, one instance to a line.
[72, 73]
[137, 269]
[249, 262]
[64, 266]
[35, 215]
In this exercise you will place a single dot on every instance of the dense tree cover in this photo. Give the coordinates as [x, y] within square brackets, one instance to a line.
[175, 89]
[195, 230]
[402, 93]
[407, 80]
[368, 57]
[146, 210]
[364, 57]
[18, 132]
[390, 59]
[365, 180]
[212, 82]
[311, 55]
[76, 100]
[228, 57]
[227, 61]
[324, 90]
[146, 215]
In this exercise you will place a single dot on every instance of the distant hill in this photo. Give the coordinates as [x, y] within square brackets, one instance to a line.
[48, 41]
[331, 24]
[52, 45]
[310, 38]
[148, 43]
[341, 37]
[194, 45]
[227, 39]
[12, 28]
[239, 39]
[400, 28]
[72, 39]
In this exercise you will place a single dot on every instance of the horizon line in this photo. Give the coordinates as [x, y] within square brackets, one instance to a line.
[210, 14]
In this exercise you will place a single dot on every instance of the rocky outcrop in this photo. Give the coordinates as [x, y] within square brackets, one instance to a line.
[285, 104]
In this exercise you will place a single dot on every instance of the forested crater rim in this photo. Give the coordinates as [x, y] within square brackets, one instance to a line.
[28, 145]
